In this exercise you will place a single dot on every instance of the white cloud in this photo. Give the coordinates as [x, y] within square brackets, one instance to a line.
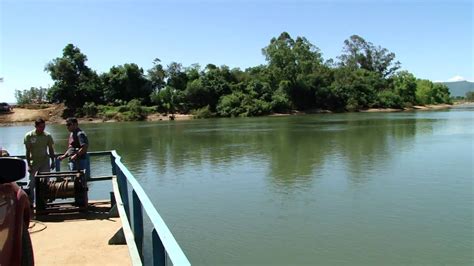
[456, 78]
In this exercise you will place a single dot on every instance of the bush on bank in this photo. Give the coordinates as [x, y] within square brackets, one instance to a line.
[132, 111]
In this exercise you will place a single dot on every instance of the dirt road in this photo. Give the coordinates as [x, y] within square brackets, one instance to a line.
[53, 115]
[26, 116]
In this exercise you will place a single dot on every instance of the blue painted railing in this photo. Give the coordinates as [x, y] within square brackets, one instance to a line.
[164, 246]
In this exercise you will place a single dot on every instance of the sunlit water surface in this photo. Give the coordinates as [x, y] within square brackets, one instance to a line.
[356, 188]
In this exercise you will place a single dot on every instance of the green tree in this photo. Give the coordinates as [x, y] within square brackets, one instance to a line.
[157, 75]
[136, 111]
[281, 60]
[358, 53]
[193, 72]
[280, 101]
[288, 58]
[300, 63]
[423, 91]
[177, 77]
[231, 105]
[470, 96]
[440, 93]
[212, 83]
[405, 86]
[167, 100]
[353, 89]
[74, 82]
[197, 95]
[254, 99]
[240, 104]
[33, 95]
[428, 92]
[388, 99]
[126, 82]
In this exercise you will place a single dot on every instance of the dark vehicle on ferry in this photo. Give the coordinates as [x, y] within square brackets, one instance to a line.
[15, 241]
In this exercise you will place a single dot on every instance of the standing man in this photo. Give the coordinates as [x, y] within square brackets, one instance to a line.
[39, 149]
[77, 146]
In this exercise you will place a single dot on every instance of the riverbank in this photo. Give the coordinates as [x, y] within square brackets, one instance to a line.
[414, 108]
[375, 110]
[53, 114]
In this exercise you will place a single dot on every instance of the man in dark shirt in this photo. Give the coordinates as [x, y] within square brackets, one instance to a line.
[77, 146]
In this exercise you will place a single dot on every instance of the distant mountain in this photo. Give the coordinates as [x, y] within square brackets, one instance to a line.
[459, 88]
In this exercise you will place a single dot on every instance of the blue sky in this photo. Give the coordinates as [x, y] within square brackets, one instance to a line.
[432, 39]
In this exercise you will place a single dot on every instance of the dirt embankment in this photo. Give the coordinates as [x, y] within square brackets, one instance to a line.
[416, 107]
[53, 114]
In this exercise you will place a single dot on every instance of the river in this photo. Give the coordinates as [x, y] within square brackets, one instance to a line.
[327, 189]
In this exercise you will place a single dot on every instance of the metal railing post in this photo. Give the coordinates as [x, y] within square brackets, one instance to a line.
[57, 163]
[158, 249]
[114, 165]
[138, 223]
[88, 167]
[123, 187]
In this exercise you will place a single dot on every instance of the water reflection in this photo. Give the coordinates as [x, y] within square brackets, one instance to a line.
[295, 149]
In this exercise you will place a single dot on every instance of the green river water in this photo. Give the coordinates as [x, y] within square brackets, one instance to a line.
[325, 189]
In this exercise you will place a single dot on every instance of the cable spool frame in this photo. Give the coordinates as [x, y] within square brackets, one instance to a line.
[51, 186]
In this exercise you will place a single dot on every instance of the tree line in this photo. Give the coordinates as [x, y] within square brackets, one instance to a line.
[295, 77]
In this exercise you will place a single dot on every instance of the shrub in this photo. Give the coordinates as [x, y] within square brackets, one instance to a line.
[255, 107]
[89, 109]
[118, 102]
[243, 105]
[123, 108]
[280, 101]
[136, 111]
[389, 99]
[168, 100]
[230, 105]
[150, 109]
[204, 112]
[470, 95]
[109, 114]
[352, 105]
